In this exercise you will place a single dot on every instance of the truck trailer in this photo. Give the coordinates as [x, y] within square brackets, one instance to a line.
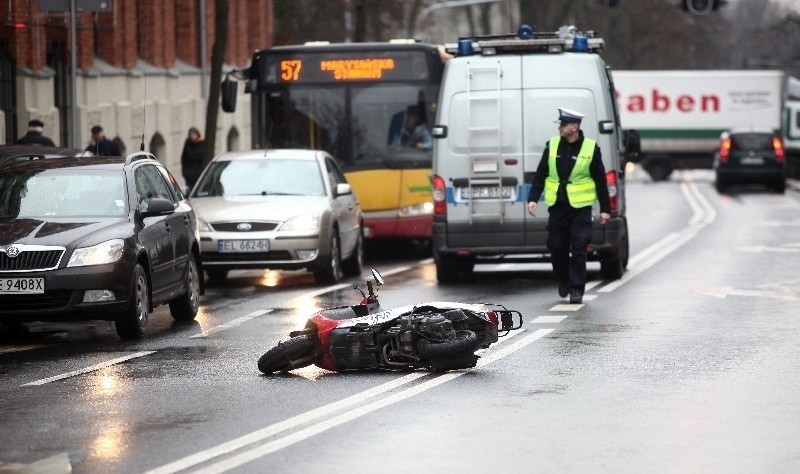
[680, 115]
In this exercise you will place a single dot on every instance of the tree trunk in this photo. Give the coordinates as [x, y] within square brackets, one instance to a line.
[217, 58]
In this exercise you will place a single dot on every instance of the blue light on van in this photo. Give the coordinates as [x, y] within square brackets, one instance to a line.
[465, 47]
[580, 44]
[525, 32]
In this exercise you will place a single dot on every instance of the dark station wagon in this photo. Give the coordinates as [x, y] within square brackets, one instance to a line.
[95, 238]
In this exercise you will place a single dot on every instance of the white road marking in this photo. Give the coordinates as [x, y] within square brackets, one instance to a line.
[703, 215]
[724, 292]
[91, 368]
[767, 248]
[313, 430]
[232, 324]
[548, 319]
[566, 307]
[321, 412]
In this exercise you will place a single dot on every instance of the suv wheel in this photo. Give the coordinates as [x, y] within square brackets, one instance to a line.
[353, 265]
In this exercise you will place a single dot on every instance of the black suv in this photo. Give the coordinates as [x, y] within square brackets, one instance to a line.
[750, 157]
[84, 238]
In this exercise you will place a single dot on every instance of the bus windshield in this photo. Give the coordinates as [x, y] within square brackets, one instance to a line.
[363, 126]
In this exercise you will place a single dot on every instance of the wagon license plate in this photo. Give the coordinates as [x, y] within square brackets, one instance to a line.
[753, 160]
[261, 245]
[486, 192]
[21, 286]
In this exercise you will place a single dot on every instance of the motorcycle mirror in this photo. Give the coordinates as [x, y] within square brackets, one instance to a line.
[377, 276]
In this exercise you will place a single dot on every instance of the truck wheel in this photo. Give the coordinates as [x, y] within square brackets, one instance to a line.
[297, 352]
[659, 168]
[465, 341]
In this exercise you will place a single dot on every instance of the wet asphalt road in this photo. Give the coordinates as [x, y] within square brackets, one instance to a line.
[691, 362]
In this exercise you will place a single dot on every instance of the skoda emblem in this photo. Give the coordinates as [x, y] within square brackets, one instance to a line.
[12, 251]
[244, 227]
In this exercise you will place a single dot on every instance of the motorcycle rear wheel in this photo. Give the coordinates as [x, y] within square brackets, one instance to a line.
[465, 341]
[297, 352]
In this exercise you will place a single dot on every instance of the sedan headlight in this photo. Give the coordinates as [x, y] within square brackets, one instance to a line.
[107, 252]
[302, 222]
[203, 226]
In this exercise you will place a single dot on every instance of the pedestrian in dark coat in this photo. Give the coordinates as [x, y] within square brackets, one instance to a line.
[192, 158]
[35, 135]
[100, 145]
[572, 177]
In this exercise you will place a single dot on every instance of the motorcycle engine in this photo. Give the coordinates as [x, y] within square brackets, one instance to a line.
[431, 326]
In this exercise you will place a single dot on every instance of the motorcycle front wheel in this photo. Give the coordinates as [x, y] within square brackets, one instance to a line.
[297, 352]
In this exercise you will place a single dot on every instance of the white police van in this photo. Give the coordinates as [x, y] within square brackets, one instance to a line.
[500, 96]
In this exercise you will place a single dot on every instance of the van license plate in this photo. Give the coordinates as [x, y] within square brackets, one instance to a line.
[21, 286]
[261, 245]
[486, 192]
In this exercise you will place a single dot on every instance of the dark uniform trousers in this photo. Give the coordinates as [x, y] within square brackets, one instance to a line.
[569, 233]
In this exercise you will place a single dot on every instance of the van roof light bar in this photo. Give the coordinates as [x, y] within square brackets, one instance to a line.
[567, 38]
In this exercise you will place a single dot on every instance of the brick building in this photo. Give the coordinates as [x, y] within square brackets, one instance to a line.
[139, 71]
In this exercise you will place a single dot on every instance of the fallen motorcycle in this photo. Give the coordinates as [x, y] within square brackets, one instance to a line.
[436, 336]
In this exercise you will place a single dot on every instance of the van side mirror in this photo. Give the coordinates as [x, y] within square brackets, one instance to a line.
[606, 127]
[633, 145]
[439, 131]
[228, 92]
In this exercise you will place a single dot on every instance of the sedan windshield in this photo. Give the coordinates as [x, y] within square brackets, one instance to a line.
[261, 178]
[66, 192]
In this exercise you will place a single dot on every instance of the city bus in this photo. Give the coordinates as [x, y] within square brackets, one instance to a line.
[370, 105]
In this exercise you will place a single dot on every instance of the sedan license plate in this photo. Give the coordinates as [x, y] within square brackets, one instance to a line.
[243, 245]
[486, 192]
[21, 286]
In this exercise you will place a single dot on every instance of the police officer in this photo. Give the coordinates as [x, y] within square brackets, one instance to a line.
[572, 177]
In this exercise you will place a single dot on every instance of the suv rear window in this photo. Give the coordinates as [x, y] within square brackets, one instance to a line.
[751, 141]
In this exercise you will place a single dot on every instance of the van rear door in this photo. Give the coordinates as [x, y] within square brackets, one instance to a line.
[481, 158]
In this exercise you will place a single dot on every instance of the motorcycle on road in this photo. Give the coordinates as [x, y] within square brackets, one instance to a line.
[436, 336]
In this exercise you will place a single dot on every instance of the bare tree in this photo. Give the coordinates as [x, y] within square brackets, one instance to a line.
[217, 58]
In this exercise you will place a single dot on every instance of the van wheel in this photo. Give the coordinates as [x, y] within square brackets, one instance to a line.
[453, 271]
[720, 185]
[612, 266]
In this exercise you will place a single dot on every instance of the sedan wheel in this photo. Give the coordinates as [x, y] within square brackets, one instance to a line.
[332, 272]
[133, 323]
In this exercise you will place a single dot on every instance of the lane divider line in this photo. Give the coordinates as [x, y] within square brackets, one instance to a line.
[341, 286]
[703, 215]
[548, 319]
[91, 368]
[232, 324]
[358, 412]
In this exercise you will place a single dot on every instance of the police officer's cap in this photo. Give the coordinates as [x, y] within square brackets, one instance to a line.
[569, 116]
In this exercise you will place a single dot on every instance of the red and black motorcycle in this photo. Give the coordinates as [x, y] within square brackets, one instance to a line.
[435, 336]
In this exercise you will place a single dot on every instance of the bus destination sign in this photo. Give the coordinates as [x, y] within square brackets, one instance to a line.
[327, 68]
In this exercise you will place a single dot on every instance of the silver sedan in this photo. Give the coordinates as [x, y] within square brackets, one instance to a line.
[278, 209]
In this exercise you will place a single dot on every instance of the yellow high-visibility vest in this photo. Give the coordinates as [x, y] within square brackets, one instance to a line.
[581, 190]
